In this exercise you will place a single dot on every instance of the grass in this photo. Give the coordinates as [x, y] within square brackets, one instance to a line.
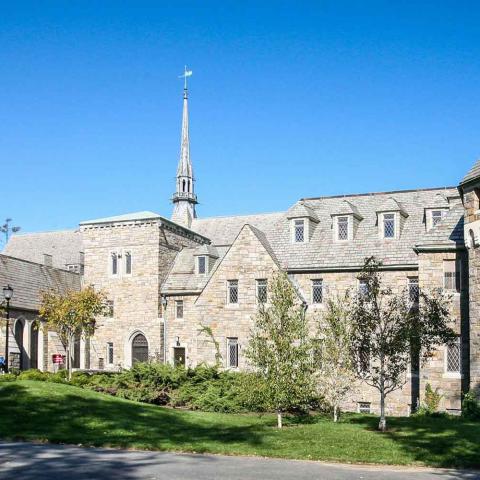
[64, 414]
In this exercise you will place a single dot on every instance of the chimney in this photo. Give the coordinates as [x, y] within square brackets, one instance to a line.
[47, 260]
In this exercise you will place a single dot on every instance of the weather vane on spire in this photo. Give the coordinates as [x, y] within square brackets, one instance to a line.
[186, 74]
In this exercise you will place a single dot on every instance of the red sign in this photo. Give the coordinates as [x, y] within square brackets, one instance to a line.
[58, 359]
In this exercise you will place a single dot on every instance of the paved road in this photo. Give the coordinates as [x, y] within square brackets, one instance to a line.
[25, 461]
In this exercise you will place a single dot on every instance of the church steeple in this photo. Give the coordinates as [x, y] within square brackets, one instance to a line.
[184, 199]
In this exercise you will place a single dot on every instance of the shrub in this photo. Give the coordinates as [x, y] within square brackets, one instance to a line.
[32, 374]
[432, 399]
[471, 407]
[8, 377]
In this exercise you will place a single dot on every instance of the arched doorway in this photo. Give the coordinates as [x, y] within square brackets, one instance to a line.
[139, 349]
[17, 360]
[34, 345]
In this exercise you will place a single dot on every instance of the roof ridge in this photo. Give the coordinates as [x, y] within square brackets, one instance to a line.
[240, 215]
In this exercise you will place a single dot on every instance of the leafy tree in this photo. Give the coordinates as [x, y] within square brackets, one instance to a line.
[72, 314]
[334, 364]
[280, 349]
[387, 328]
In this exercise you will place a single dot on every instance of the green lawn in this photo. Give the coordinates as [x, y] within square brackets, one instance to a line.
[61, 413]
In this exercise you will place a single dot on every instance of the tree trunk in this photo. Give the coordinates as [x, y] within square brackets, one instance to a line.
[335, 413]
[279, 419]
[69, 359]
[382, 425]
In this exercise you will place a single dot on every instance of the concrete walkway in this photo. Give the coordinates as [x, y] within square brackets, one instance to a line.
[26, 461]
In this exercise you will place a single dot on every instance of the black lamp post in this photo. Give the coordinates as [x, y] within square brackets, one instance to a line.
[7, 294]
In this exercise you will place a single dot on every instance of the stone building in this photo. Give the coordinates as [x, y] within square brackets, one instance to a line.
[168, 279]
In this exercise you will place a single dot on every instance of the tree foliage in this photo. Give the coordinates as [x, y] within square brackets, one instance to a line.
[334, 364]
[280, 348]
[71, 314]
[387, 328]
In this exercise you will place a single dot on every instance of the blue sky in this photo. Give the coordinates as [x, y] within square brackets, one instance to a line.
[287, 100]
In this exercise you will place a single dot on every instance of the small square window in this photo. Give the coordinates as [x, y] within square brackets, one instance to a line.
[110, 353]
[364, 407]
[179, 309]
[128, 263]
[299, 231]
[262, 291]
[342, 226]
[317, 291]
[202, 265]
[437, 216]
[232, 293]
[232, 352]
[389, 225]
[454, 357]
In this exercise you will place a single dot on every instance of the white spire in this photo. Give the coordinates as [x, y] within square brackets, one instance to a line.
[184, 198]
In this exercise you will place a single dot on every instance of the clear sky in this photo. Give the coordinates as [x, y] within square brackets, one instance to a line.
[287, 100]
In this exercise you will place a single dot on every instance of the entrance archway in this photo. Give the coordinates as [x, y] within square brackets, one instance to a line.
[139, 349]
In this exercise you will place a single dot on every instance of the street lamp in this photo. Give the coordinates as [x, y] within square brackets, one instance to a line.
[7, 294]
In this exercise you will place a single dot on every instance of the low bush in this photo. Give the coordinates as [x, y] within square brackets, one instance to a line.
[33, 374]
[471, 407]
[8, 377]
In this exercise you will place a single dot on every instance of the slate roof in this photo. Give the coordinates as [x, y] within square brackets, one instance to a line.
[447, 233]
[64, 246]
[29, 279]
[472, 174]
[144, 215]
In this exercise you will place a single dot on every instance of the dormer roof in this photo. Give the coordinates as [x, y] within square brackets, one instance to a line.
[347, 208]
[439, 201]
[207, 250]
[392, 205]
[302, 210]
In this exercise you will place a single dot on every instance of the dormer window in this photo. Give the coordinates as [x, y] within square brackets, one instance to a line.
[342, 228]
[299, 231]
[434, 216]
[388, 225]
[201, 265]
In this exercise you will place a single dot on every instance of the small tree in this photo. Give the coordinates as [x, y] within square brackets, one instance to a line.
[388, 328]
[280, 350]
[334, 364]
[72, 314]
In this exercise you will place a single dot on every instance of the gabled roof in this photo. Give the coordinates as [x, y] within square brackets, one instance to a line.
[472, 174]
[64, 246]
[447, 233]
[301, 210]
[127, 217]
[439, 201]
[208, 250]
[392, 205]
[29, 279]
[348, 208]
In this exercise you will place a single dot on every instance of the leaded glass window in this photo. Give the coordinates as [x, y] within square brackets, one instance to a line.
[128, 263]
[179, 309]
[299, 231]
[262, 291]
[437, 216]
[389, 225]
[342, 226]
[364, 407]
[317, 291]
[362, 287]
[454, 357]
[202, 265]
[413, 289]
[451, 275]
[232, 286]
[232, 353]
[114, 263]
[110, 353]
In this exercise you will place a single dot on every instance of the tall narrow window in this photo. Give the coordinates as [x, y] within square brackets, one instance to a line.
[413, 289]
[389, 225]
[110, 353]
[362, 287]
[128, 263]
[232, 352]
[451, 272]
[202, 265]
[299, 231]
[454, 357]
[179, 309]
[342, 226]
[317, 291]
[232, 293]
[114, 263]
[262, 290]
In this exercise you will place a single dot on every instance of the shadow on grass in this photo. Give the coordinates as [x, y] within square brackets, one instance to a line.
[105, 421]
[441, 442]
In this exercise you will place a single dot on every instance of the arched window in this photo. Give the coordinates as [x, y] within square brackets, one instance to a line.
[472, 238]
[19, 339]
[34, 345]
[183, 185]
[189, 186]
[139, 349]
